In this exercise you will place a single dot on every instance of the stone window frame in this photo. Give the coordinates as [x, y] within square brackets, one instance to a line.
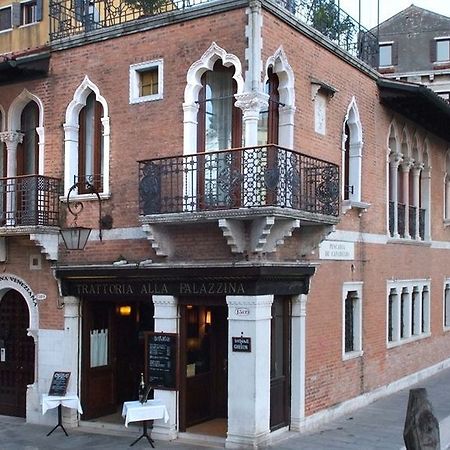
[347, 287]
[446, 305]
[410, 309]
[135, 81]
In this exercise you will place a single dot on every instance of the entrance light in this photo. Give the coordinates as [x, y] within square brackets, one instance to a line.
[75, 237]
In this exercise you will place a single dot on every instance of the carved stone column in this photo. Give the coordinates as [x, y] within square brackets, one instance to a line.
[12, 140]
[167, 321]
[406, 167]
[395, 159]
[416, 170]
[70, 356]
[251, 104]
[298, 349]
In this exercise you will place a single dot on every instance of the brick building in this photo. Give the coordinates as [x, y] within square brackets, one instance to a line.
[259, 196]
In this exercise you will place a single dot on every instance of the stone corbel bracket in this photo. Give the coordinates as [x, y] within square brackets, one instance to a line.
[159, 238]
[265, 233]
[48, 244]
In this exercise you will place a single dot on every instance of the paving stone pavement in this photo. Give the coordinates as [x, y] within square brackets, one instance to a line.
[376, 426]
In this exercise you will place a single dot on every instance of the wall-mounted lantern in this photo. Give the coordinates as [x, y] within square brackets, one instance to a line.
[75, 237]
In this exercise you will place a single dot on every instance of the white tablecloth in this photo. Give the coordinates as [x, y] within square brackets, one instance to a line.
[137, 412]
[69, 401]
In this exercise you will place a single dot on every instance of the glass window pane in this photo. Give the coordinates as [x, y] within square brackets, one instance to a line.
[149, 82]
[385, 55]
[442, 50]
[5, 19]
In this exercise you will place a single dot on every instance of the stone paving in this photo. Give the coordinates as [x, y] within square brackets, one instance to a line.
[377, 426]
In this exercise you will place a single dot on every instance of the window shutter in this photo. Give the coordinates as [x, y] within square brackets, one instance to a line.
[38, 10]
[433, 50]
[395, 54]
[15, 14]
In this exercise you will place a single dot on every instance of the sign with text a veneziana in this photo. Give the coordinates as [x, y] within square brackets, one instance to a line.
[338, 250]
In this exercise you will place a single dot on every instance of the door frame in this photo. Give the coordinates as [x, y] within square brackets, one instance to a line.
[26, 343]
[210, 302]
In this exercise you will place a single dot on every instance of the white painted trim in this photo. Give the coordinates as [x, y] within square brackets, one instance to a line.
[358, 317]
[353, 121]
[135, 80]
[71, 127]
[194, 84]
[424, 287]
[3, 118]
[286, 77]
[11, 281]
[14, 119]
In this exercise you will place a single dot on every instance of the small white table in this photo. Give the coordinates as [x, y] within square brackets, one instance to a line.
[69, 401]
[136, 411]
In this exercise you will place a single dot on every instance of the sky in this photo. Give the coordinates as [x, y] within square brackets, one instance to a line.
[388, 8]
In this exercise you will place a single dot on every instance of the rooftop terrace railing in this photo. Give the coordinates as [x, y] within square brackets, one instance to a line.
[75, 17]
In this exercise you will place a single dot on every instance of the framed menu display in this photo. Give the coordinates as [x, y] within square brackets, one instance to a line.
[161, 351]
[58, 386]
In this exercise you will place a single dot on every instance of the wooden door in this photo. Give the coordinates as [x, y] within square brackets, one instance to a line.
[98, 383]
[204, 361]
[17, 356]
[280, 364]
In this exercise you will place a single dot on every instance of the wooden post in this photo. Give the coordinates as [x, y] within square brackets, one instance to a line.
[421, 430]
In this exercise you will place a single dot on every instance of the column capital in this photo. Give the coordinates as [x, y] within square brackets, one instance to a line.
[11, 137]
[251, 103]
[407, 164]
[71, 305]
[395, 157]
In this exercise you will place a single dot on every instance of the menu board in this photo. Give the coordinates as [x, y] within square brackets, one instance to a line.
[161, 350]
[59, 384]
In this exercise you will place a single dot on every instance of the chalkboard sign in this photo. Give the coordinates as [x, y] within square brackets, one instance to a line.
[60, 381]
[161, 365]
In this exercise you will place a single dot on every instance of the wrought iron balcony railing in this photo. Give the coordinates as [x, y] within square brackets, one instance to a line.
[74, 17]
[29, 200]
[239, 178]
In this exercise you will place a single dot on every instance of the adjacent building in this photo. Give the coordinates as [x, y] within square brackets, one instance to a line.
[415, 46]
[258, 195]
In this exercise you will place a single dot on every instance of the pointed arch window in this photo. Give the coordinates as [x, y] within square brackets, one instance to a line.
[28, 150]
[219, 128]
[269, 119]
[352, 159]
[90, 143]
[219, 121]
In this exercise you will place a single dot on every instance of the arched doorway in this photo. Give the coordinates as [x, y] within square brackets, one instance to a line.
[16, 354]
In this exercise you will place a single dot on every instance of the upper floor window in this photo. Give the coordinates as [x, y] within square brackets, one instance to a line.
[28, 150]
[385, 55]
[90, 143]
[352, 319]
[86, 139]
[408, 311]
[28, 13]
[446, 306]
[443, 49]
[219, 121]
[146, 81]
[269, 118]
[5, 18]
